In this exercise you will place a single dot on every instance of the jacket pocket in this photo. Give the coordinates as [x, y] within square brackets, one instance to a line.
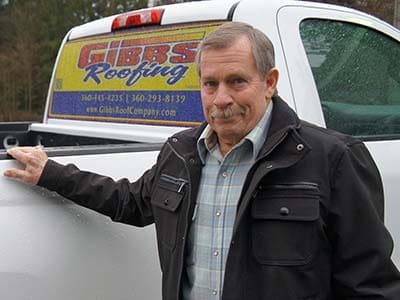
[166, 199]
[284, 224]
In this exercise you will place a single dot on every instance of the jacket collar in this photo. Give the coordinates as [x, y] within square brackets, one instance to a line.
[185, 142]
[282, 117]
[283, 120]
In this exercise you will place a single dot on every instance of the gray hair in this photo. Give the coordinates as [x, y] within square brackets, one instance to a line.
[228, 33]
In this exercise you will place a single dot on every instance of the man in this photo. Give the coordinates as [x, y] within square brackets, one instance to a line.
[254, 203]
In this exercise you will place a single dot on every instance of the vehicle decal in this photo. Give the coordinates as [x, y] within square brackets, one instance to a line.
[145, 77]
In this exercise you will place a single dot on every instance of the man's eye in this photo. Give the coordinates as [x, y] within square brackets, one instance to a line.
[210, 84]
[237, 81]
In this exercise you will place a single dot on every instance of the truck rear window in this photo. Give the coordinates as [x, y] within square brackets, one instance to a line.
[142, 77]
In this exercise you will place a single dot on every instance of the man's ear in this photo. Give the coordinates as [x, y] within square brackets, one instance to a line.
[271, 81]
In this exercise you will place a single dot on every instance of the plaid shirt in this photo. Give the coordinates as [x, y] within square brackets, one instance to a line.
[212, 222]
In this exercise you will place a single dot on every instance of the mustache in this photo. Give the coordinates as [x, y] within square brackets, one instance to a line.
[226, 113]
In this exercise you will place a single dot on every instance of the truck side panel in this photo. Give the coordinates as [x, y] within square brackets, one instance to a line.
[54, 249]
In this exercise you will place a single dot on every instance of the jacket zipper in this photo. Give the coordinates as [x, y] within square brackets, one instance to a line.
[297, 186]
[256, 190]
[255, 166]
[181, 262]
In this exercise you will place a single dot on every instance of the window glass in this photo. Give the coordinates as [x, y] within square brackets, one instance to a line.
[357, 73]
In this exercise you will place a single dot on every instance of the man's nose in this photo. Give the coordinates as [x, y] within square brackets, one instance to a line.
[223, 97]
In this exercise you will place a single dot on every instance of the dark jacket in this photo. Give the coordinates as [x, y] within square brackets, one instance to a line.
[309, 223]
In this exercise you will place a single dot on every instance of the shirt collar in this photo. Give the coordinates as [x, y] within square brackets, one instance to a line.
[257, 136]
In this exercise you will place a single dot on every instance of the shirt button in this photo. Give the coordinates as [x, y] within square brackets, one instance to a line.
[214, 292]
[218, 213]
[216, 253]
[225, 174]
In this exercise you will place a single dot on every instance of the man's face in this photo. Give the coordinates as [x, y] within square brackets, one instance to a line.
[234, 96]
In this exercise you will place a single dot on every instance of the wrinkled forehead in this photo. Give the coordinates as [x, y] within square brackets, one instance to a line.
[225, 43]
[221, 47]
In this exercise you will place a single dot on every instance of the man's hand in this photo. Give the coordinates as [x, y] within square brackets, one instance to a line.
[33, 158]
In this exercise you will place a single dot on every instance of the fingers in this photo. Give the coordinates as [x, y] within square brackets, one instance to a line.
[26, 149]
[33, 158]
[17, 174]
[28, 155]
[20, 153]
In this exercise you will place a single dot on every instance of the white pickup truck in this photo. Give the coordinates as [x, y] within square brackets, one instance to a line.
[123, 84]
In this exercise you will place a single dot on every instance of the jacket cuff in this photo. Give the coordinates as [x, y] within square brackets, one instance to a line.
[50, 175]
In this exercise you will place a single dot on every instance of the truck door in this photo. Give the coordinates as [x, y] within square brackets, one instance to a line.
[351, 61]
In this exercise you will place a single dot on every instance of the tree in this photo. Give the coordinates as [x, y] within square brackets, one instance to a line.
[397, 13]
[30, 35]
[18, 55]
[381, 9]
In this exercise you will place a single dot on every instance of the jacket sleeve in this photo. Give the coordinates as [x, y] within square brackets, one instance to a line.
[121, 200]
[362, 246]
